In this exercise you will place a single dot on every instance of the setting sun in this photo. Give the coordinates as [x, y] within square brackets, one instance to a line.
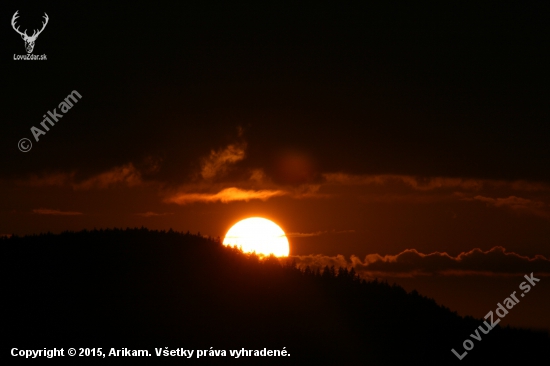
[259, 235]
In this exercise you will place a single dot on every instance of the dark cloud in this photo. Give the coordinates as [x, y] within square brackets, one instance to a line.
[520, 204]
[46, 211]
[127, 175]
[317, 233]
[153, 214]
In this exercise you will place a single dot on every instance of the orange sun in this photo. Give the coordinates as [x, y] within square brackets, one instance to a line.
[259, 235]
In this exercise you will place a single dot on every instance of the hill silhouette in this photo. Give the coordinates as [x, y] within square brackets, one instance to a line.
[143, 289]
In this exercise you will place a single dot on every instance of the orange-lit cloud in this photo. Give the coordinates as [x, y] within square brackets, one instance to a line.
[45, 211]
[218, 162]
[225, 195]
[248, 191]
[210, 184]
[410, 262]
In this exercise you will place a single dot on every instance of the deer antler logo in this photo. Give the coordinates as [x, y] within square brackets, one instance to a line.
[29, 41]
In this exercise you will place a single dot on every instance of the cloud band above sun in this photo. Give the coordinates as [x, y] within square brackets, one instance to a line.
[225, 195]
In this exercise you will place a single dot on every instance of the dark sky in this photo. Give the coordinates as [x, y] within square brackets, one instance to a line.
[361, 129]
[401, 89]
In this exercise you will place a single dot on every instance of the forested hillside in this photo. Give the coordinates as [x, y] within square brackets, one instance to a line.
[142, 289]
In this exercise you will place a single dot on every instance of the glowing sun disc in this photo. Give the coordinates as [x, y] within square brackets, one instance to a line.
[259, 235]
